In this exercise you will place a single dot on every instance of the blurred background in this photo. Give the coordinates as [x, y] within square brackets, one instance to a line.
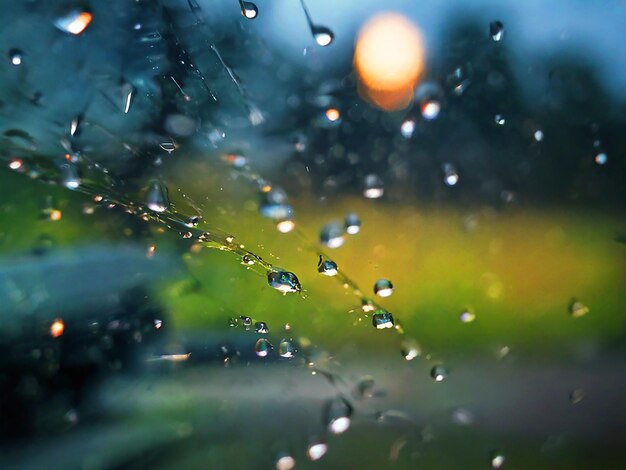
[324, 234]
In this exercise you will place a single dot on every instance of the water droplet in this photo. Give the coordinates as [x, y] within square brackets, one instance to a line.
[262, 347]
[499, 119]
[332, 235]
[285, 347]
[338, 415]
[327, 267]
[157, 199]
[57, 328]
[576, 395]
[158, 323]
[75, 125]
[538, 135]
[299, 142]
[247, 260]
[283, 281]
[601, 158]
[169, 147]
[497, 460]
[246, 321]
[69, 176]
[410, 349]
[274, 205]
[577, 309]
[285, 226]
[128, 92]
[450, 175]
[316, 450]
[467, 316]
[496, 30]
[430, 109]
[382, 320]
[249, 9]
[261, 327]
[285, 462]
[365, 387]
[439, 373]
[74, 20]
[323, 36]
[373, 187]
[407, 128]
[383, 288]
[352, 224]
[16, 57]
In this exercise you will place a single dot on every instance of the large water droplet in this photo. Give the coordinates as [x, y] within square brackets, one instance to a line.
[352, 224]
[286, 348]
[338, 415]
[69, 175]
[439, 373]
[283, 281]
[327, 267]
[261, 327]
[332, 235]
[382, 320]
[496, 30]
[74, 20]
[323, 36]
[157, 199]
[383, 288]
[373, 187]
[262, 347]
[249, 9]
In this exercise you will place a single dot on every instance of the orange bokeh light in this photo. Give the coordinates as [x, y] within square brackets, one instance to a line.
[57, 328]
[389, 59]
[78, 24]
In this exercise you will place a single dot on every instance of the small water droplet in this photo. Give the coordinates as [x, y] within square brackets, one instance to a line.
[499, 119]
[352, 224]
[262, 347]
[497, 460]
[407, 128]
[157, 199]
[450, 175]
[338, 415]
[158, 323]
[430, 109]
[57, 328]
[316, 449]
[74, 20]
[283, 281]
[261, 327]
[538, 135]
[577, 309]
[299, 142]
[373, 187]
[467, 316]
[382, 320]
[285, 347]
[496, 30]
[274, 204]
[601, 158]
[439, 373]
[285, 462]
[410, 349]
[332, 235]
[383, 288]
[576, 395]
[16, 57]
[248, 9]
[246, 321]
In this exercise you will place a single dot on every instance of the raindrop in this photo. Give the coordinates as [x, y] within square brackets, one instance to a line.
[283, 281]
[576, 395]
[248, 9]
[322, 35]
[274, 205]
[75, 125]
[158, 323]
[299, 142]
[538, 135]
[496, 30]
[467, 316]
[247, 260]
[69, 176]
[439, 373]
[373, 187]
[382, 320]
[285, 462]
[352, 224]
[332, 235]
[577, 309]
[128, 92]
[327, 267]
[383, 288]
[497, 460]
[601, 158]
[262, 347]
[285, 348]
[16, 56]
[499, 119]
[285, 226]
[246, 321]
[157, 199]
[261, 327]
[410, 349]
[407, 128]
[338, 415]
[169, 147]
[450, 175]
[75, 20]
[316, 450]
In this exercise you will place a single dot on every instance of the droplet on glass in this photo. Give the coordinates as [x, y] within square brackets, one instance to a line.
[327, 267]
[382, 320]
[499, 119]
[274, 204]
[576, 395]
[332, 235]
[262, 347]
[577, 309]
[283, 281]
[338, 415]
[158, 323]
[322, 35]
[450, 175]
[75, 125]
[373, 187]
[365, 387]
[248, 9]
[247, 260]
[467, 316]
[236, 160]
[157, 199]
[286, 348]
[601, 158]
[285, 462]
[74, 20]
[439, 373]
[410, 349]
[497, 460]
[352, 224]
[16, 56]
[261, 327]
[169, 147]
[316, 449]
[69, 175]
[496, 30]
[383, 288]
[459, 79]
[246, 321]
